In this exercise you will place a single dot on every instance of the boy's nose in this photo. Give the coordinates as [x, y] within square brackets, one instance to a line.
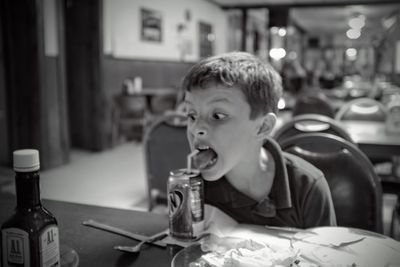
[199, 128]
[201, 132]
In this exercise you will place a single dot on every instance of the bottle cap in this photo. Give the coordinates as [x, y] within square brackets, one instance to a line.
[26, 160]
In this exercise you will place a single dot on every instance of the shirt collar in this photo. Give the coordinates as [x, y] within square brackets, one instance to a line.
[279, 197]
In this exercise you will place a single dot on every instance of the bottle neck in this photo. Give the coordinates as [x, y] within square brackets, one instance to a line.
[28, 189]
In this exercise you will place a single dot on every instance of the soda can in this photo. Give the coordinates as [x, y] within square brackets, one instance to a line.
[185, 204]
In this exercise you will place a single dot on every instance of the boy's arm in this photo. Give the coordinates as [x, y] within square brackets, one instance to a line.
[318, 206]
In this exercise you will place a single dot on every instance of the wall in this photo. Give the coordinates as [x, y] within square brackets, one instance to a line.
[5, 155]
[159, 64]
[122, 28]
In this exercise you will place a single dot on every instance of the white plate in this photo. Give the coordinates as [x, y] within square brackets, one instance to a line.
[192, 254]
[364, 248]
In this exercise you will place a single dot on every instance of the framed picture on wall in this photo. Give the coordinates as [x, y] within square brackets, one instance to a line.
[151, 25]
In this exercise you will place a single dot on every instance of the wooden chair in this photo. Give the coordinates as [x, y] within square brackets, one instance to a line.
[130, 112]
[165, 149]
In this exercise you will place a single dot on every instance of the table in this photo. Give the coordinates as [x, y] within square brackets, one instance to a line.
[95, 247]
[158, 91]
[149, 93]
[372, 138]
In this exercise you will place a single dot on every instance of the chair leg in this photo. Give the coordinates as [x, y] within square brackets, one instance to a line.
[395, 224]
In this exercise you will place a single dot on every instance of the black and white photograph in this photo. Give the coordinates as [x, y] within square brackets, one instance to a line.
[201, 133]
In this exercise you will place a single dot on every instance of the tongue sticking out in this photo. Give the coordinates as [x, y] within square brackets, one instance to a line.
[203, 158]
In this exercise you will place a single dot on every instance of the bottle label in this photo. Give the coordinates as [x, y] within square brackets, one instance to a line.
[49, 246]
[15, 244]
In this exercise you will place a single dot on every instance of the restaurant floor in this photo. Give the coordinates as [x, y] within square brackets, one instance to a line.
[112, 178]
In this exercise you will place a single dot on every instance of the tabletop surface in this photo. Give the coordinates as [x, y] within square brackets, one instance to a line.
[370, 132]
[159, 91]
[95, 247]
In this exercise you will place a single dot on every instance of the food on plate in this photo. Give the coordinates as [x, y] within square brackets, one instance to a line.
[237, 252]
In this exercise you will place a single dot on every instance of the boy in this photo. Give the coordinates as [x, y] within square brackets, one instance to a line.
[231, 102]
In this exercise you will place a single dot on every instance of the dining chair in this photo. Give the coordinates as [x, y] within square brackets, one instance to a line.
[129, 115]
[165, 149]
[364, 109]
[310, 123]
[355, 187]
[313, 102]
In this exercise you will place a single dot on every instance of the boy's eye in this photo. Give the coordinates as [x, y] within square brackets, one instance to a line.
[191, 116]
[219, 116]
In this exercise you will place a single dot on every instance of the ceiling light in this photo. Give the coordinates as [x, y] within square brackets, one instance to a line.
[351, 53]
[353, 33]
[281, 103]
[357, 23]
[277, 53]
[282, 32]
[292, 55]
[274, 30]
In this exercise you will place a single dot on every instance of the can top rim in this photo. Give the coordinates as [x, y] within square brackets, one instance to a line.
[180, 172]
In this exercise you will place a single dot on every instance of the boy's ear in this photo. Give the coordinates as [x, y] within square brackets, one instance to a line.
[267, 124]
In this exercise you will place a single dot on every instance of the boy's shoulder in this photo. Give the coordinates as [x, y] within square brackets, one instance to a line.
[302, 167]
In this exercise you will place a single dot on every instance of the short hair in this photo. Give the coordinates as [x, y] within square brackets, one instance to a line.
[259, 81]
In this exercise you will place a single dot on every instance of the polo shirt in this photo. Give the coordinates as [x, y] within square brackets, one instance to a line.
[300, 196]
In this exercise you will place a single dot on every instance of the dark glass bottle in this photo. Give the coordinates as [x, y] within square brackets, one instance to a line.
[30, 236]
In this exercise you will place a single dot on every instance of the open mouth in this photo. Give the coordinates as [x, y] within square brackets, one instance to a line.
[205, 159]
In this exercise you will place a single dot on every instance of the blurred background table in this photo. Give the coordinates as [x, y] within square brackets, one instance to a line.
[372, 138]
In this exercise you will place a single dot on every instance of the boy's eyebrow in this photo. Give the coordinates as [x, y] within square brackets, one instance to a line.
[222, 99]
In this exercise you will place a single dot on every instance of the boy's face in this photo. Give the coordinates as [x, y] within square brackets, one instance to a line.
[219, 125]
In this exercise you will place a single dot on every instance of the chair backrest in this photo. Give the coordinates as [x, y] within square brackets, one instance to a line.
[355, 188]
[310, 123]
[165, 149]
[365, 109]
[313, 103]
